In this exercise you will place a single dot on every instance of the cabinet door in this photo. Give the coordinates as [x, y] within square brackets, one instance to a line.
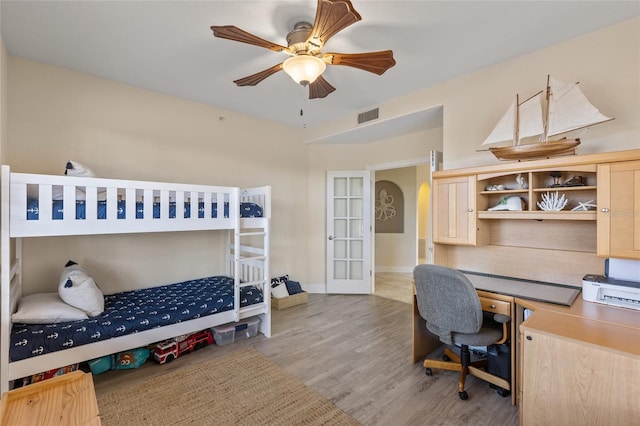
[619, 210]
[454, 215]
[564, 382]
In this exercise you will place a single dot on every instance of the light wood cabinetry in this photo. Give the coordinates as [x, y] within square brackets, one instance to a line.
[578, 371]
[494, 187]
[619, 210]
[454, 212]
[490, 304]
[605, 222]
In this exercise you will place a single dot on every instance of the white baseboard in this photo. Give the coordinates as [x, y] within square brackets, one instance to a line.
[397, 269]
[315, 288]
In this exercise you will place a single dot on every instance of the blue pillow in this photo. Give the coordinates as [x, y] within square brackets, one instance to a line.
[293, 287]
[279, 280]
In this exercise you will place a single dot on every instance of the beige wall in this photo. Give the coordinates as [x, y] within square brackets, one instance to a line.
[398, 252]
[3, 101]
[606, 62]
[123, 132]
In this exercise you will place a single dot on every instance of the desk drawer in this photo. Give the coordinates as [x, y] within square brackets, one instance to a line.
[495, 306]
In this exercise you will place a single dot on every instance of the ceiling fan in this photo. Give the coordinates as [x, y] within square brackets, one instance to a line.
[304, 44]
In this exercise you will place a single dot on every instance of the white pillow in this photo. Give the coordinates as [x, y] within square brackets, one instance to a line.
[45, 308]
[78, 289]
[76, 169]
[279, 291]
[73, 168]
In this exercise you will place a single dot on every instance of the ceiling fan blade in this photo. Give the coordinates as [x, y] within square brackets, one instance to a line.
[375, 62]
[320, 88]
[256, 78]
[232, 32]
[332, 16]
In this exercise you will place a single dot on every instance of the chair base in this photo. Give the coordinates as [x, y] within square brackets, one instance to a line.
[464, 365]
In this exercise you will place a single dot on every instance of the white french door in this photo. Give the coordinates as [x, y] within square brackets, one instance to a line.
[349, 232]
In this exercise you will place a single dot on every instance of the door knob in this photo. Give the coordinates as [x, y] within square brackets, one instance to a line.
[330, 238]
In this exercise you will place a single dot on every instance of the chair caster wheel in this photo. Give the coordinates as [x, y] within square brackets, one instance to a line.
[446, 358]
[503, 392]
[428, 372]
[463, 395]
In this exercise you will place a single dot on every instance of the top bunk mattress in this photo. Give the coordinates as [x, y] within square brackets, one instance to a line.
[131, 312]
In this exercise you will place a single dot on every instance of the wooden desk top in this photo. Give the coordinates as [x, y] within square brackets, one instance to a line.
[609, 327]
[595, 311]
[605, 335]
[69, 399]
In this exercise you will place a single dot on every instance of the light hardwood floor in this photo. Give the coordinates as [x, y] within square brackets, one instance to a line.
[394, 285]
[355, 350]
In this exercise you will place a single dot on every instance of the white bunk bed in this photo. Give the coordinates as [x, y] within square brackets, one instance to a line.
[92, 206]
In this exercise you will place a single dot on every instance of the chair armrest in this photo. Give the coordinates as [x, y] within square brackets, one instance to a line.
[501, 318]
[506, 333]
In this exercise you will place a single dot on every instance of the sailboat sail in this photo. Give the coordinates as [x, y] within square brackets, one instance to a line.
[504, 129]
[569, 109]
[529, 119]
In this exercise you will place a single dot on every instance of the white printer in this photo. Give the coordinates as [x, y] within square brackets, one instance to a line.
[619, 287]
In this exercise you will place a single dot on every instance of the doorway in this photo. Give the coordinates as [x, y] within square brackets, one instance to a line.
[398, 251]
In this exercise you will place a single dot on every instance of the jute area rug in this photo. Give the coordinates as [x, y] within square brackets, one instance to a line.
[241, 388]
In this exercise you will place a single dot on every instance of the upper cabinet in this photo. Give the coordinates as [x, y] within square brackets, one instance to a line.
[560, 193]
[619, 210]
[454, 211]
[601, 189]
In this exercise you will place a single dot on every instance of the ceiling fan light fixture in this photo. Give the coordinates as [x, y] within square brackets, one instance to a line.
[304, 69]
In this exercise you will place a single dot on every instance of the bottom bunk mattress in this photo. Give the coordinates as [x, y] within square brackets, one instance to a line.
[131, 312]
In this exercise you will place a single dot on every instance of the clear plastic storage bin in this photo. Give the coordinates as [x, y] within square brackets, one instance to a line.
[228, 333]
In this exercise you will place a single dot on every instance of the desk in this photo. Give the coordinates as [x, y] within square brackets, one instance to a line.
[498, 295]
[579, 364]
[69, 399]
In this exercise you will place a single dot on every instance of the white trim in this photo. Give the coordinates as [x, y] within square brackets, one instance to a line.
[316, 288]
[395, 269]
[420, 161]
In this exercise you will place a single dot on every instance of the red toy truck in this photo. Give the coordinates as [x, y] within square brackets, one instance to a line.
[168, 350]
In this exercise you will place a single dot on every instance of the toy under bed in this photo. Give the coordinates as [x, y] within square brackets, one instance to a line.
[131, 312]
[57, 213]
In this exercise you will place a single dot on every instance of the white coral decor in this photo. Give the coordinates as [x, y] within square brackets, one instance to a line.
[551, 202]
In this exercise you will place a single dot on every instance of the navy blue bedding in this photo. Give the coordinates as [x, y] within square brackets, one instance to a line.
[246, 210]
[130, 312]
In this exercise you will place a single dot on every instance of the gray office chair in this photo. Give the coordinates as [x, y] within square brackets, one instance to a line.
[449, 304]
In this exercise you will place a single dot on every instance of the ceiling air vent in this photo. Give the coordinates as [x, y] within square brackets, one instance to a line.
[372, 114]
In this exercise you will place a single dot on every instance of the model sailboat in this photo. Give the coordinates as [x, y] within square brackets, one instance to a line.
[562, 109]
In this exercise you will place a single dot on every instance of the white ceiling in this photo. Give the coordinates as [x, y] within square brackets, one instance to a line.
[167, 46]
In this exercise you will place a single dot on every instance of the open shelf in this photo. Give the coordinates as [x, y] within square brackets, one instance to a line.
[539, 215]
[566, 189]
[536, 185]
